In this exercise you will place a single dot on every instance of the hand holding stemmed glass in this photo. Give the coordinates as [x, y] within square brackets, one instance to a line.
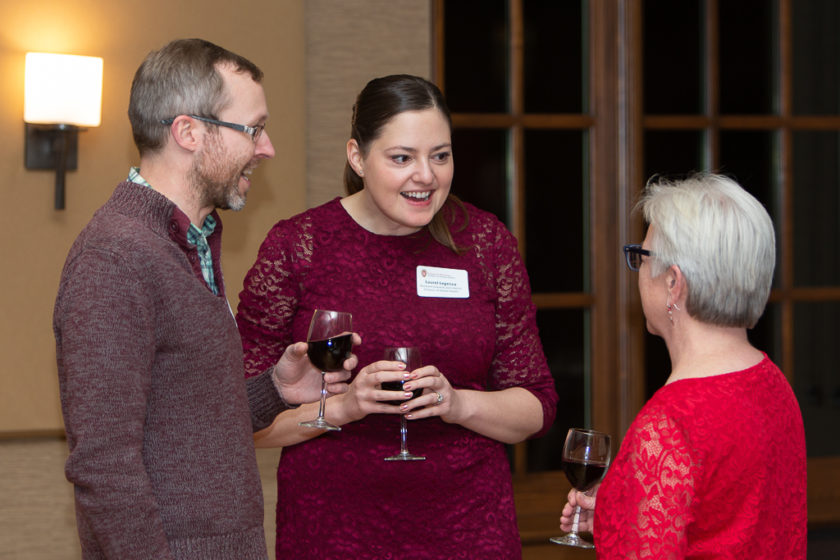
[586, 456]
[410, 356]
[330, 341]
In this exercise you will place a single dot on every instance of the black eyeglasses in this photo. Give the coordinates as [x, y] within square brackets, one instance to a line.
[253, 131]
[633, 254]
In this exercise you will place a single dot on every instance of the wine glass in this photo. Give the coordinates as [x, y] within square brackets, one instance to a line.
[586, 456]
[410, 356]
[330, 342]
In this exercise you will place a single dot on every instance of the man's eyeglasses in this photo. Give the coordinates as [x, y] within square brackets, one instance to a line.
[253, 131]
[633, 254]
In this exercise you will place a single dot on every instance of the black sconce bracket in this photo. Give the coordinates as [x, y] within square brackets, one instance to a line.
[52, 146]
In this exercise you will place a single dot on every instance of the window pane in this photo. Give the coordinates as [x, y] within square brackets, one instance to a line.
[767, 333]
[480, 174]
[748, 37]
[816, 57]
[750, 158]
[553, 56]
[672, 52]
[816, 377]
[555, 225]
[657, 363]
[816, 203]
[476, 69]
[673, 153]
[562, 332]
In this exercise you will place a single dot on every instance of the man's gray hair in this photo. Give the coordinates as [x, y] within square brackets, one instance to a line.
[181, 78]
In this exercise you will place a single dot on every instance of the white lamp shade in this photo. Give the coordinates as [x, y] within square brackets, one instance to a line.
[63, 89]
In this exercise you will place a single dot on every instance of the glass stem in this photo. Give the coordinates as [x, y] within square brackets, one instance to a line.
[323, 395]
[576, 520]
[403, 435]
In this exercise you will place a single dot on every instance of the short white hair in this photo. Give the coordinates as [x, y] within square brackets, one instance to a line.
[720, 237]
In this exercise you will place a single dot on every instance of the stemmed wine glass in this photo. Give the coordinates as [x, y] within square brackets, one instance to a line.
[330, 342]
[410, 356]
[586, 456]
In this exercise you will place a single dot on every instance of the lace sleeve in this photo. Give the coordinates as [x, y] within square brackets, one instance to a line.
[519, 360]
[649, 507]
[270, 294]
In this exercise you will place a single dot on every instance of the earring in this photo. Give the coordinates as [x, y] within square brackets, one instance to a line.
[670, 314]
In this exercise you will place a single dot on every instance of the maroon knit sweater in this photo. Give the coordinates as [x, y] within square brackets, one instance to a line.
[155, 407]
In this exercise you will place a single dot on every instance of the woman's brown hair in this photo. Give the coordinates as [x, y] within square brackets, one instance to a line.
[380, 101]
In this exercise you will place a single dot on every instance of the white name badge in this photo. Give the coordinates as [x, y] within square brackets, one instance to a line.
[442, 282]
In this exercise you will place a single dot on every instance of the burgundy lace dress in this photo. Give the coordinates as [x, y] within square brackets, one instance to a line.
[710, 468]
[337, 498]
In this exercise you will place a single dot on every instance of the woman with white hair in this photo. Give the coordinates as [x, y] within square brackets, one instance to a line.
[714, 464]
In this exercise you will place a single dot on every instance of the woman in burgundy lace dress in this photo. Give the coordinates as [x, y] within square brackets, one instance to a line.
[713, 466]
[415, 267]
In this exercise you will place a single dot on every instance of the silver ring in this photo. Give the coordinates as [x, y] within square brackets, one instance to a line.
[440, 397]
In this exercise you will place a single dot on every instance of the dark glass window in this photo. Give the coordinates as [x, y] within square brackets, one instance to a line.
[673, 153]
[553, 56]
[562, 334]
[767, 334]
[555, 226]
[816, 207]
[816, 57]
[480, 157]
[748, 35]
[673, 33]
[657, 363]
[476, 69]
[749, 157]
[816, 382]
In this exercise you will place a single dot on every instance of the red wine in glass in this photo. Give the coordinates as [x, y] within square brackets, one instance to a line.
[330, 341]
[583, 476]
[329, 354]
[397, 386]
[586, 456]
[410, 356]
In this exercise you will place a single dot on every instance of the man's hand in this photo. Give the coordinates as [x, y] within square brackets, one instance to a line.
[298, 381]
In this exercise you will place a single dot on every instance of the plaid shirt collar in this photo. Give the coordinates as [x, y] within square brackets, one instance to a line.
[197, 237]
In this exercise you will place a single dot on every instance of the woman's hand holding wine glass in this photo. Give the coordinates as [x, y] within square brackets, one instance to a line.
[410, 356]
[586, 456]
[586, 502]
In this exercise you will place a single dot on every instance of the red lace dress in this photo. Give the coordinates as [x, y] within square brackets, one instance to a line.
[710, 468]
[337, 498]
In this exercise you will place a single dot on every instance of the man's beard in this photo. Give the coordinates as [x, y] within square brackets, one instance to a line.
[215, 177]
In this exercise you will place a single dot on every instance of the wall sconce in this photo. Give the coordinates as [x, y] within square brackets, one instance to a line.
[62, 95]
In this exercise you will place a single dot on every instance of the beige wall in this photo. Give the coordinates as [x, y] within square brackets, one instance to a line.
[34, 238]
[347, 43]
[316, 54]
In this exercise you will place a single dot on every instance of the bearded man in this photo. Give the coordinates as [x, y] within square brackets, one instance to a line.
[158, 416]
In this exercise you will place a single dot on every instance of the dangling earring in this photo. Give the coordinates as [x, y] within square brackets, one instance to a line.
[670, 313]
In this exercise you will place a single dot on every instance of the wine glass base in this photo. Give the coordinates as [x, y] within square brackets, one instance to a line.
[320, 424]
[572, 539]
[405, 457]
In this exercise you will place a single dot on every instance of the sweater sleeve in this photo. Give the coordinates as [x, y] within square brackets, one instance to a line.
[264, 400]
[105, 345]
